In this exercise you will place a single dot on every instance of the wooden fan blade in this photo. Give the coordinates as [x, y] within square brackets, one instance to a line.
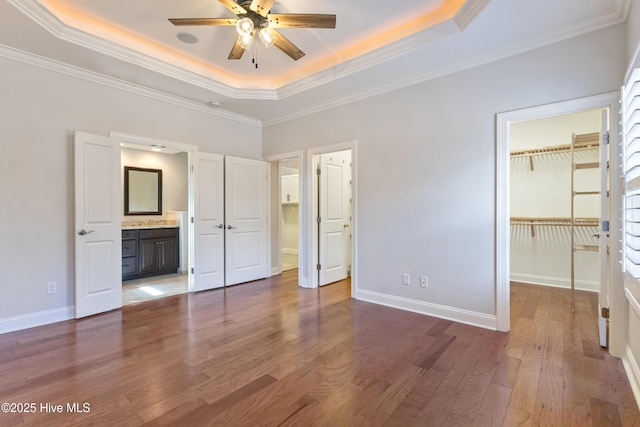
[301, 20]
[233, 7]
[237, 50]
[203, 21]
[261, 7]
[283, 43]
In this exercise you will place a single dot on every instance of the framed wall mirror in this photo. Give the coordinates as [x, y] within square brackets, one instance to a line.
[142, 191]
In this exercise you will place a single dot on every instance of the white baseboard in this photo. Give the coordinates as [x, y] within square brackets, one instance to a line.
[304, 283]
[450, 313]
[32, 320]
[633, 372]
[556, 282]
[289, 251]
[276, 270]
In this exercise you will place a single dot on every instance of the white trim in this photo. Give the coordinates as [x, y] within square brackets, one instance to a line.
[554, 282]
[451, 68]
[40, 318]
[275, 271]
[632, 300]
[503, 122]
[468, 12]
[633, 372]
[310, 204]
[205, 78]
[114, 83]
[473, 318]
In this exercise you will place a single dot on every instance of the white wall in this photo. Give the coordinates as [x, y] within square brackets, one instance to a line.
[41, 109]
[545, 192]
[175, 178]
[426, 168]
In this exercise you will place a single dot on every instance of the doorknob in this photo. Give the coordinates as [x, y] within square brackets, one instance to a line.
[229, 227]
[220, 225]
[345, 225]
[597, 235]
[82, 232]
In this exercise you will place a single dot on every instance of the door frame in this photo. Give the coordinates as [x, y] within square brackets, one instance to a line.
[311, 202]
[127, 138]
[503, 122]
[275, 242]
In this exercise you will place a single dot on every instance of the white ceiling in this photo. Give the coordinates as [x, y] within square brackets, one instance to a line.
[377, 45]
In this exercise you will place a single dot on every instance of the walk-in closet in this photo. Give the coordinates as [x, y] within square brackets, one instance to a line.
[555, 200]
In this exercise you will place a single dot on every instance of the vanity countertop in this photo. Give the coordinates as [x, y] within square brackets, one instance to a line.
[140, 227]
[131, 225]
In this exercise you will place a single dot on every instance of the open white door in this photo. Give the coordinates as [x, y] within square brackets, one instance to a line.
[98, 213]
[603, 297]
[246, 218]
[334, 211]
[208, 223]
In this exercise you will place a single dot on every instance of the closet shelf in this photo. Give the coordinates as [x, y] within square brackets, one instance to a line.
[584, 142]
[553, 222]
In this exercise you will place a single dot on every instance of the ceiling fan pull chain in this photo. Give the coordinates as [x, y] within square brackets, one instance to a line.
[255, 54]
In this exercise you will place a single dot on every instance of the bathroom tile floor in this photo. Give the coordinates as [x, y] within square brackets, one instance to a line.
[135, 291]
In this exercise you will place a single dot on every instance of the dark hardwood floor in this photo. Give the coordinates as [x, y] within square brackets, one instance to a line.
[268, 353]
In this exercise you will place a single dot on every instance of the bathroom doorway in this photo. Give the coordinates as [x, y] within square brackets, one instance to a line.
[155, 253]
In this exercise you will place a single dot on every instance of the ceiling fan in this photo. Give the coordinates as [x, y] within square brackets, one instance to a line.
[253, 17]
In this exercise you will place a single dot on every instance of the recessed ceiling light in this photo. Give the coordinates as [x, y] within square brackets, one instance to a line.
[157, 150]
[187, 38]
[214, 104]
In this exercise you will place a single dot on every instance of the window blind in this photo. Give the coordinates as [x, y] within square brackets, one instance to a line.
[631, 167]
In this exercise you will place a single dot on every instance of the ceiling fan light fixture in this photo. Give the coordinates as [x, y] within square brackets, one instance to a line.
[266, 37]
[245, 41]
[244, 26]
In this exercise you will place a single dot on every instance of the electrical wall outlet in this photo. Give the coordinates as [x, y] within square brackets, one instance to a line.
[424, 282]
[406, 279]
[52, 288]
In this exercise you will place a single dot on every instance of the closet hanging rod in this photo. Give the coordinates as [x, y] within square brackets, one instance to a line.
[553, 222]
[555, 149]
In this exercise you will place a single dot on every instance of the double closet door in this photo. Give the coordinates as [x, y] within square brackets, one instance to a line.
[230, 221]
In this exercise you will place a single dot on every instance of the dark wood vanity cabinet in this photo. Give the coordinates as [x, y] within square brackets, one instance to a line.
[149, 252]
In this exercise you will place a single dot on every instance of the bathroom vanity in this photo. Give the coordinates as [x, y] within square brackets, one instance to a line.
[150, 251]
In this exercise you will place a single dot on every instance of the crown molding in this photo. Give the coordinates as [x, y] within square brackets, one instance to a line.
[384, 54]
[200, 78]
[73, 71]
[210, 81]
[614, 18]
[469, 11]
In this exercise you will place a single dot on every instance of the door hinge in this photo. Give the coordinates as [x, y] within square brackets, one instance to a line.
[605, 225]
[192, 221]
[605, 138]
[193, 271]
[318, 171]
[318, 220]
[318, 267]
[191, 168]
[605, 312]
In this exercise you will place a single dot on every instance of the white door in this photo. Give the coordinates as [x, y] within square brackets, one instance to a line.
[246, 218]
[98, 216]
[208, 221]
[603, 297]
[333, 208]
